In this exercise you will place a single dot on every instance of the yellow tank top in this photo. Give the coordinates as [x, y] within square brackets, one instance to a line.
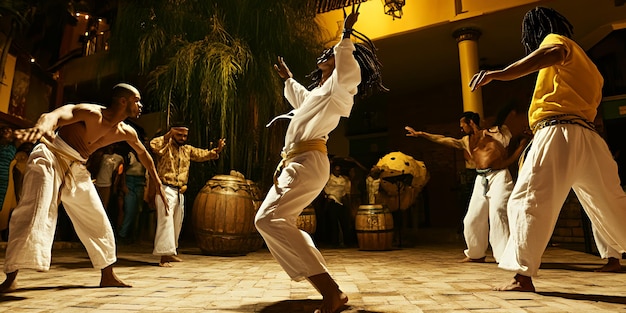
[572, 87]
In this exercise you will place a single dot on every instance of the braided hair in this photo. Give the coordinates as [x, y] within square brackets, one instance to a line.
[541, 21]
[365, 55]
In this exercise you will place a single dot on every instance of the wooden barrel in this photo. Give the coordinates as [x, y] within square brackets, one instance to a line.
[374, 227]
[307, 220]
[257, 199]
[223, 217]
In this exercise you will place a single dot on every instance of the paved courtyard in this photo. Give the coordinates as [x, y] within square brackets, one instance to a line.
[423, 278]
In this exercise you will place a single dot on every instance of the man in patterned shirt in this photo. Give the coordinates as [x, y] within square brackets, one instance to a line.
[174, 157]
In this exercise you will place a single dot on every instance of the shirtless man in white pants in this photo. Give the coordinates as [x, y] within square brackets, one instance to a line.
[56, 173]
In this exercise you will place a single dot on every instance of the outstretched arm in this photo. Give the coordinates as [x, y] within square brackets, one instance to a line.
[440, 139]
[49, 122]
[294, 91]
[146, 160]
[201, 155]
[543, 57]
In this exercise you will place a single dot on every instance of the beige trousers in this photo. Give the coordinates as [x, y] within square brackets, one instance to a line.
[300, 182]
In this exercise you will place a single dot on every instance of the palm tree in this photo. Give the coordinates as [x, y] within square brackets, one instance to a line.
[210, 62]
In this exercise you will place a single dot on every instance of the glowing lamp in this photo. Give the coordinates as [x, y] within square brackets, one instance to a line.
[393, 8]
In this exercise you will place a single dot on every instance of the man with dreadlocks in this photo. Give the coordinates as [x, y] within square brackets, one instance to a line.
[305, 165]
[566, 151]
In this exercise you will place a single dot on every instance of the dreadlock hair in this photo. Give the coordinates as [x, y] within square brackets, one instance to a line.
[541, 21]
[471, 116]
[365, 55]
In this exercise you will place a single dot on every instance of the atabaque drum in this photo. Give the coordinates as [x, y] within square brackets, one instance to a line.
[374, 227]
[223, 217]
[307, 220]
[401, 180]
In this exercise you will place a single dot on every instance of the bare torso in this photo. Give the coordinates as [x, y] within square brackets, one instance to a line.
[94, 132]
[489, 153]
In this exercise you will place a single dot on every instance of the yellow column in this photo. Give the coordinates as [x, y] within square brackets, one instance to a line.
[467, 41]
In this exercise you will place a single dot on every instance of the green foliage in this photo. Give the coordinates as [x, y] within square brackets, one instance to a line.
[210, 63]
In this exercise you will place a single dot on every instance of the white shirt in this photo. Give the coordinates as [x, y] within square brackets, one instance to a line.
[337, 187]
[109, 164]
[317, 112]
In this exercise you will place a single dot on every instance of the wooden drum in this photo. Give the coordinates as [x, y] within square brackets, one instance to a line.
[374, 227]
[307, 220]
[223, 217]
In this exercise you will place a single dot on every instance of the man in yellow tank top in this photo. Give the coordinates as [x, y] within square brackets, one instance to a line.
[566, 152]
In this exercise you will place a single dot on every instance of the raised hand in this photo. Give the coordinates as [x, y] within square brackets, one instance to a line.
[412, 132]
[221, 144]
[480, 79]
[351, 19]
[282, 69]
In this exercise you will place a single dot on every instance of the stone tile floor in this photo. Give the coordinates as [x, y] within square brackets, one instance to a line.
[423, 278]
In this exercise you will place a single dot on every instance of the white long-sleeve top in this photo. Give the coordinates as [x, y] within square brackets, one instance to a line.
[317, 112]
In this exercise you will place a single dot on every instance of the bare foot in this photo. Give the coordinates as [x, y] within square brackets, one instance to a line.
[10, 283]
[612, 266]
[165, 264]
[519, 283]
[333, 298]
[468, 260]
[170, 258]
[109, 279]
[333, 303]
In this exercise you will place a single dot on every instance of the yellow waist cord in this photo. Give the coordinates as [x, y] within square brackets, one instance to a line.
[298, 148]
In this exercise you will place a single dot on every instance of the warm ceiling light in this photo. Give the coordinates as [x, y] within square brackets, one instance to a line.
[393, 8]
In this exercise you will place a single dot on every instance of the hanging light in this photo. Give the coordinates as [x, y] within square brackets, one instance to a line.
[393, 8]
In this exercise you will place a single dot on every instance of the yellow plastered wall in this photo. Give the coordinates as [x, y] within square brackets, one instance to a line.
[417, 14]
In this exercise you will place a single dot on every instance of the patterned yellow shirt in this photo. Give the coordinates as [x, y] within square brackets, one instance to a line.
[173, 162]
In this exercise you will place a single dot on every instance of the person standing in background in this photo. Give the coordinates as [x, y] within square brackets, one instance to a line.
[134, 182]
[337, 192]
[174, 157]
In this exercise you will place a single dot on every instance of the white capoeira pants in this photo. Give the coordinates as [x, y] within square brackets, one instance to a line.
[47, 182]
[169, 226]
[486, 219]
[562, 157]
[604, 249]
[300, 182]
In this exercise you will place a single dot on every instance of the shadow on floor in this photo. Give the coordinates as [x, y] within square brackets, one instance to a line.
[578, 267]
[586, 297]
[11, 297]
[297, 306]
[120, 262]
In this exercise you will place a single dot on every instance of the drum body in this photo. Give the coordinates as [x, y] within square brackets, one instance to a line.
[223, 216]
[374, 227]
[307, 220]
